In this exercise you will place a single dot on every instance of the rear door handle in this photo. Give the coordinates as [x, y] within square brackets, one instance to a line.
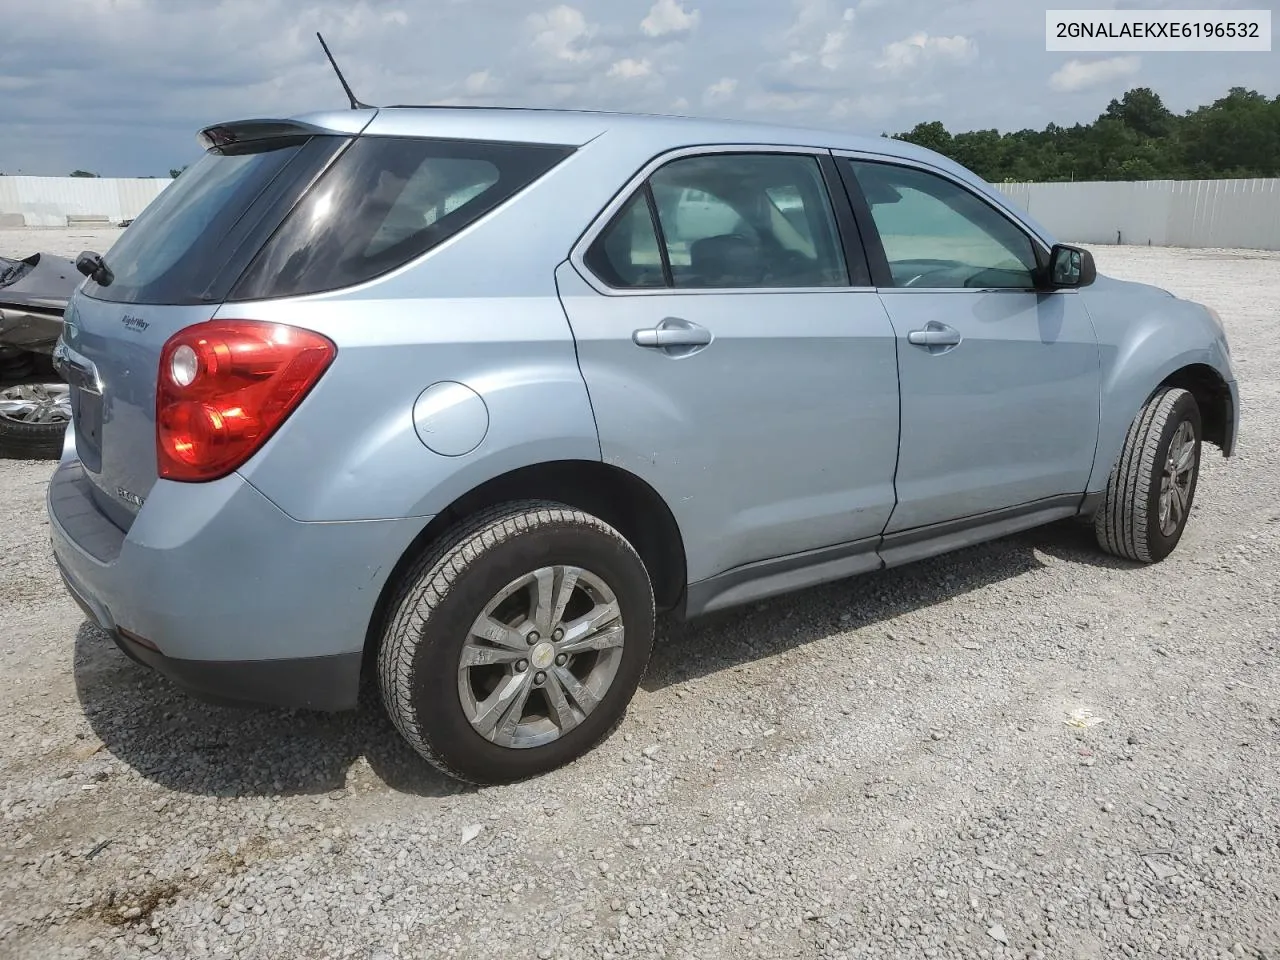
[674, 335]
[935, 334]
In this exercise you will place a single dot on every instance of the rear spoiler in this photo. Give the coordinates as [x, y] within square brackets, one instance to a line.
[244, 131]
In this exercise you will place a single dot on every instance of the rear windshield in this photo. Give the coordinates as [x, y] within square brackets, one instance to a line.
[218, 212]
[385, 201]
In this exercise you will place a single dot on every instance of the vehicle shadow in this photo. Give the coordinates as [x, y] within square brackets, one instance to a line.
[719, 641]
[187, 745]
[1075, 542]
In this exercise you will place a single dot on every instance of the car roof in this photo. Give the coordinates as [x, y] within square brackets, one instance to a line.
[578, 127]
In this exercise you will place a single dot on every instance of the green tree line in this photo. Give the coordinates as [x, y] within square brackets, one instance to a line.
[1136, 138]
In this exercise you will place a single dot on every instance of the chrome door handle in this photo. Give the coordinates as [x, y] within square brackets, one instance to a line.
[673, 332]
[935, 334]
[657, 337]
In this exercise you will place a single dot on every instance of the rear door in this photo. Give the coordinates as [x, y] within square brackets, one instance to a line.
[999, 379]
[737, 359]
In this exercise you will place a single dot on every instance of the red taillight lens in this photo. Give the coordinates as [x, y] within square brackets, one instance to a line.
[224, 388]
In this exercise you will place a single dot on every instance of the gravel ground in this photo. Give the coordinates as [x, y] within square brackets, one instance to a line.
[877, 768]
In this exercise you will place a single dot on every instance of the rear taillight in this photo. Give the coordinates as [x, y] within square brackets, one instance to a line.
[224, 388]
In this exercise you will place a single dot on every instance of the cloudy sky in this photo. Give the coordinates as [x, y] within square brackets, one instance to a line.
[121, 86]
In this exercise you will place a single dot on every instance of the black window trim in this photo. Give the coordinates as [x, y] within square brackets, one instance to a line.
[640, 180]
[856, 256]
[874, 246]
[655, 223]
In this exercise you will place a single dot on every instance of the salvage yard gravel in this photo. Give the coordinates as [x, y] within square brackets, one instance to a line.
[1025, 749]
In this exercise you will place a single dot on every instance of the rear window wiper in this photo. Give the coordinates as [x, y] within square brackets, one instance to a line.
[95, 268]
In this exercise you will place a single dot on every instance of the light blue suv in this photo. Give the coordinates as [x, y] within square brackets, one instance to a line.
[464, 397]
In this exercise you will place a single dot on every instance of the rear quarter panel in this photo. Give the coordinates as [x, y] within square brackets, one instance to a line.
[352, 452]
[1144, 335]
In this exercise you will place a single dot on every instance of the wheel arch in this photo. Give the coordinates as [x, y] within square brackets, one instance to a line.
[616, 496]
[1213, 397]
[1129, 387]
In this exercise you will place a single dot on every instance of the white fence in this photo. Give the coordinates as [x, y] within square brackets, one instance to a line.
[1163, 213]
[57, 201]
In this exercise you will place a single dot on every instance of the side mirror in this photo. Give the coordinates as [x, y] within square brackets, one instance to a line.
[1070, 267]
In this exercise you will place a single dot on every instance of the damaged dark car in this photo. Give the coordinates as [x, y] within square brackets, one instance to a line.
[35, 402]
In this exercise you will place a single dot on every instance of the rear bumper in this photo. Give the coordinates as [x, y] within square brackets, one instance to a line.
[218, 589]
[312, 683]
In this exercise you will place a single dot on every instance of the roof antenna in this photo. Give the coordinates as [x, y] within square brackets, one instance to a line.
[355, 104]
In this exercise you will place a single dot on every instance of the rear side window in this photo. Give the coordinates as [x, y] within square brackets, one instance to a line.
[178, 250]
[385, 201]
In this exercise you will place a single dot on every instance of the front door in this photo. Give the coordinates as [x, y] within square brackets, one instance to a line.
[1000, 381]
[731, 363]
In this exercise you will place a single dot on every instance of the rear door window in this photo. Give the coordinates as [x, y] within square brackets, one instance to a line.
[726, 221]
[385, 201]
[723, 226]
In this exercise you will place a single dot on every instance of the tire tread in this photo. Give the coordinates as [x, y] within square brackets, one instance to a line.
[1122, 523]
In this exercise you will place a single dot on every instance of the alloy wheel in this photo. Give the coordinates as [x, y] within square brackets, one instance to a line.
[541, 656]
[1175, 482]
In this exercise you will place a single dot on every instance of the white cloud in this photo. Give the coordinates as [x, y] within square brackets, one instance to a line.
[480, 83]
[631, 69]
[832, 43]
[680, 104]
[817, 35]
[807, 56]
[1081, 75]
[920, 48]
[720, 91]
[560, 33]
[667, 16]
[814, 15]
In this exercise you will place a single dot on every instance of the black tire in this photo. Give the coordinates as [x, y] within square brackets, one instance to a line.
[1128, 524]
[20, 440]
[443, 593]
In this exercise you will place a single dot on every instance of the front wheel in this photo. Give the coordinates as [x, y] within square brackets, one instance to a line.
[515, 645]
[1153, 483]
